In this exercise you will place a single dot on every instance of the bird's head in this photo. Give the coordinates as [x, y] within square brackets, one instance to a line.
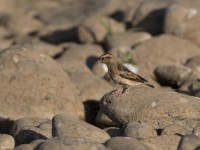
[107, 58]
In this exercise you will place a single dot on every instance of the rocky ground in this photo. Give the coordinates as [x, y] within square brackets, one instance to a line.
[54, 94]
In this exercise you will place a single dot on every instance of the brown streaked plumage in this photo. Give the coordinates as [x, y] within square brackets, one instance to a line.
[120, 74]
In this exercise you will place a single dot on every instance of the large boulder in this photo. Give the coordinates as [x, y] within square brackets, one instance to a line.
[155, 107]
[172, 75]
[32, 84]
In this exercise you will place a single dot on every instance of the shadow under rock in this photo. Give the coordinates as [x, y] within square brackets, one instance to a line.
[27, 136]
[5, 125]
[118, 16]
[91, 108]
[91, 60]
[190, 91]
[61, 36]
[154, 22]
[193, 91]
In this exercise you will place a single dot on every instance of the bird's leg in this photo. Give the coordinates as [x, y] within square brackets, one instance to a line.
[125, 89]
[119, 90]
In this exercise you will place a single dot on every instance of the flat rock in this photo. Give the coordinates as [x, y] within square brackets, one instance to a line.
[39, 85]
[155, 107]
[150, 54]
[164, 142]
[119, 143]
[189, 142]
[6, 142]
[172, 75]
[139, 130]
[69, 144]
[26, 130]
[67, 126]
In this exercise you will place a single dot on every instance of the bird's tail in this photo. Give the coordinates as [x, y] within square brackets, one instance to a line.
[150, 85]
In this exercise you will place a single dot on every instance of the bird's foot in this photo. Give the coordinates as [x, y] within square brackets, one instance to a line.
[125, 89]
[119, 90]
[122, 90]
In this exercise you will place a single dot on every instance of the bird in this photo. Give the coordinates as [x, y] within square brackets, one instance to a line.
[120, 74]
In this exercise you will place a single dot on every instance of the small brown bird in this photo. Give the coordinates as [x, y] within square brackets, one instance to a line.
[120, 74]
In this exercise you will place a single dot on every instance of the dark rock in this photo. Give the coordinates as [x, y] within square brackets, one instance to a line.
[172, 75]
[26, 130]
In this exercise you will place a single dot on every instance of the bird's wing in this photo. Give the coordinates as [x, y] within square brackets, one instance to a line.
[126, 73]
